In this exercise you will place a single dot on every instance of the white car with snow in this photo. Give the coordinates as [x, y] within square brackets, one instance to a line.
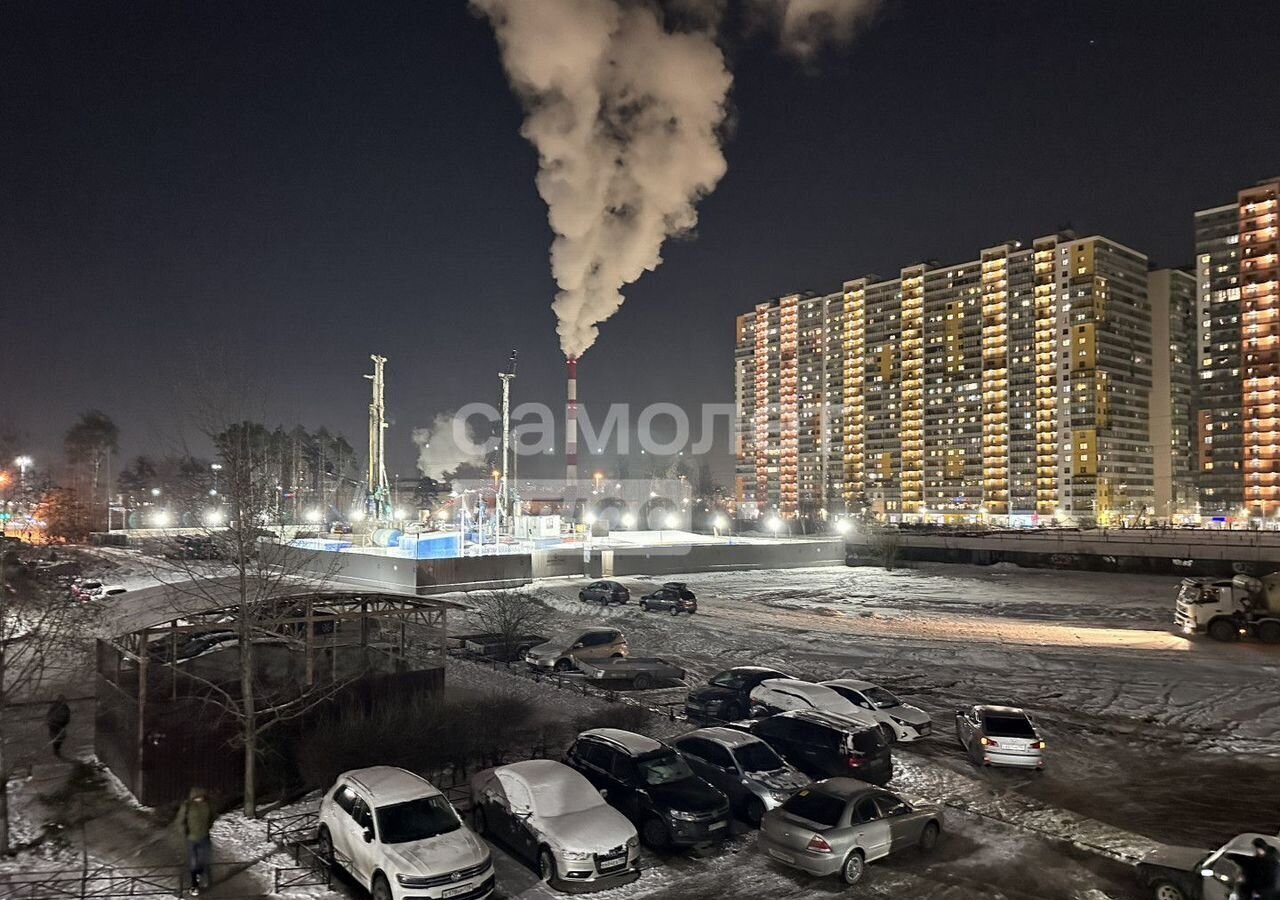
[401, 838]
[553, 818]
[899, 721]
[1000, 736]
[775, 695]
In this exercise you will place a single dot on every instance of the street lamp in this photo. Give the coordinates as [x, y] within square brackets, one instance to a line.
[313, 516]
[628, 520]
[160, 519]
[155, 492]
[213, 518]
[357, 515]
[719, 523]
[842, 526]
[399, 514]
[774, 524]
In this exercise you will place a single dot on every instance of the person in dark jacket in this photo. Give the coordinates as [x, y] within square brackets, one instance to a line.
[1261, 879]
[195, 818]
[58, 718]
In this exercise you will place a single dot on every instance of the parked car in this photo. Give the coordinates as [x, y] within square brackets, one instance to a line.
[108, 592]
[399, 836]
[605, 593]
[1191, 873]
[340, 528]
[999, 736]
[674, 597]
[653, 786]
[837, 826]
[776, 695]
[749, 772]
[84, 590]
[822, 744]
[559, 652]
[643, 672]
[900, 721]
[553, 818]
[727, 695]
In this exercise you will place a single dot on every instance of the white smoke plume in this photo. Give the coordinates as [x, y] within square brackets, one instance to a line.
[624, 114]
[806, 26]
[446, 444]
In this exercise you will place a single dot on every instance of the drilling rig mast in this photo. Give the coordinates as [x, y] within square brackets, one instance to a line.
[378, 489]
[506, 491]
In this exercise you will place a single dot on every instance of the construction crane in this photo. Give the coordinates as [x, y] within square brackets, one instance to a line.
[505, 492]
[378, 489]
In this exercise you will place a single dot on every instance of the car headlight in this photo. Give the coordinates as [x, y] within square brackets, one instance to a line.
[410, 881]
[575, 855]
[684, 816]
[633, 841]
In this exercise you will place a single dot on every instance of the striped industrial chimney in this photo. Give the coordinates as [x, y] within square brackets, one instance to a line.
[571, 424]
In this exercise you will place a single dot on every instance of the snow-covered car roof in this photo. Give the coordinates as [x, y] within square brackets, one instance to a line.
[830, 719]
[636, 744]
[551, 788]
[1002, 710]
[852, 684]
[726, 737]
[389, 784]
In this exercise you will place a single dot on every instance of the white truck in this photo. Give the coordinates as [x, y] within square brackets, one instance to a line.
[1227, 609]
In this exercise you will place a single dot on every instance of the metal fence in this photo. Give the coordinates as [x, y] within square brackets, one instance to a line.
[110, 882]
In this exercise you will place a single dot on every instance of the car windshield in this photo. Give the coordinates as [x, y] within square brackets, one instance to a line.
[416, 820]
[726, 680]
[881, 698]
[1007, 726]
[758, 757]
[663, 768]
[816, 806]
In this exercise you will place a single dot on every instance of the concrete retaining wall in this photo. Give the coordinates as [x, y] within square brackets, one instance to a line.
[433, 576]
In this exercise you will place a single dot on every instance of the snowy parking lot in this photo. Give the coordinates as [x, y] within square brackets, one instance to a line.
[1152, 738]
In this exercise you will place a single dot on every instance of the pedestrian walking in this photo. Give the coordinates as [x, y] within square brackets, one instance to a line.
[58, 718]
[195, 817]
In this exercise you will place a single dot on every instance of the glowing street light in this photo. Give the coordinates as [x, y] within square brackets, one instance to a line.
[155, 492]
[842, 526]
[313, 515]
[589, 518]
[673, 521]
[400, 514]
[357, 515]
[160, 519]
[628, 520]
[774, 524]
[213, 518]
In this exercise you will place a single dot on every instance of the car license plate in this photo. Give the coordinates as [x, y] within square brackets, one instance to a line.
[779, 855]
[455, 891]
[606, 864]
[715, 825]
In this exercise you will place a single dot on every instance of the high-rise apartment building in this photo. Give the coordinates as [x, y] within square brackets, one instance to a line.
[1238, 306]
[788, 376]
[1173, 340]
[1011, 387]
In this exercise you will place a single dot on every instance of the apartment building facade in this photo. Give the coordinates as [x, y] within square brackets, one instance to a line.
[788, 377]
[1014, 387]
[1173, 372]
[1238, 324]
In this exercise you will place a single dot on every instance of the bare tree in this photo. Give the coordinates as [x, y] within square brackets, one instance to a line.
[233, 561]
[509, 615]
[42, 635]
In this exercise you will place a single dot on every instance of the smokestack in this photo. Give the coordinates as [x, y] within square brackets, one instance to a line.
[571, 423]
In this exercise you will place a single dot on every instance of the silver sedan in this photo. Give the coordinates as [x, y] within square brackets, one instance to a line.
[1000, 736]
[837, 826]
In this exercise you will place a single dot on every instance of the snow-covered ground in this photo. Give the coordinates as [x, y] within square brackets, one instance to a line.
[1152, 737]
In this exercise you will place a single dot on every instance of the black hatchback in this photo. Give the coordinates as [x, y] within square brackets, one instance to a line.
[727, 695]
[604, 593]
[824, 745]
[653, 786]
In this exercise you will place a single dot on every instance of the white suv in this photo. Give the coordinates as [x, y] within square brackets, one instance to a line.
[398, 834]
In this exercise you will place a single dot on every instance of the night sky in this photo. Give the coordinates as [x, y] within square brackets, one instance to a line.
[291, 186]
